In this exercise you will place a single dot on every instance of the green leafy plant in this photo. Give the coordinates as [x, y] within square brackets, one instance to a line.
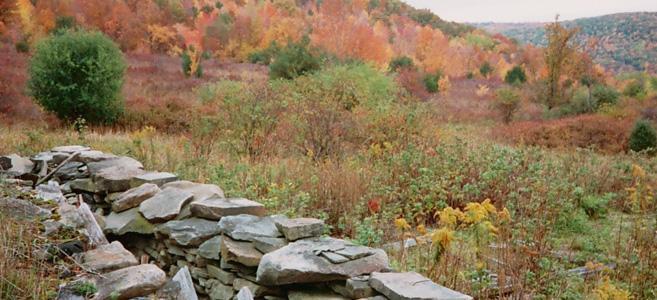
[516, 76]
[431, 82]
[486, 69]
[84, 288]
[399, 63]
[294, 60]
[78, 74]
[507, 102]
[635, 89]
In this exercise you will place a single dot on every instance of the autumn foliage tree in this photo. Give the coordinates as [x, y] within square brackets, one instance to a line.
[559, 52]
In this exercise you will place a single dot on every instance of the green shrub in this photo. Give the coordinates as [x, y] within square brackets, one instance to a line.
[23, 46]
[515, 76]
[507, 102]
[431, 82]
[595, 206]
[486, 69]
[64, 23]
[643, 137]
[78, 74]
[187, 65]
[294, 60]
[265, 56]
[604, 95]
[84, 288]
[401, 62]
[635, 89]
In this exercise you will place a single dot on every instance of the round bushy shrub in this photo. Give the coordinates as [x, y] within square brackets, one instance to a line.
[400, 63]
[78, 74]
[515, 76]
[643, 137]
[294, 60]
[604, 95]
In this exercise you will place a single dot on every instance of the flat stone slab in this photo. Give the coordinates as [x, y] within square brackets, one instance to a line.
[110, 257]
[215, 207]
[70, 149]
[165, 205]
[184, 280]
[157, 178]
[119, 161]
[15, 165]
[22, 209]
[248, 227]
[412, 286]
[221, 291]
[241, 252]
[199, 190]
[269, 244]
[302, 262]
[83, 185]
[224, 277]
[211, 248]
[129, 221]
[116, 178]
[244, 294]
[300, 228]
[131, 282]
[90, 156]
[135, 196]
[257, 290]
[315, 294]
[354, 288]
[50, 192]
[71, 170]
[189, 232]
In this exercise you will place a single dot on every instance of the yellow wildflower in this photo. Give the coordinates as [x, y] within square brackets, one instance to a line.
[401, 224]
[504, 215]
[608, 291]
[489, 206]
[638, 172]
[421, 229]
[449, 216]
[490, 227]
[475, 213]
[443, 236]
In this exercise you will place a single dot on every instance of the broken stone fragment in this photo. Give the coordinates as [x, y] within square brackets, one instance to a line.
[300, 228]
[110, 257]
[211, 248]
[70, 149]
[224, 277]
[115, 179]
[71, 170]
[354, 288]
[129, 221]
[241, 252]
[249, 227]
[130, 282]
[15, 166]
[22, 209]
[135, 196]
[50, 192]
[189, 232]
[83, 185]
[184, 280]
[269, 244]
[199, 190]
[302, 262]
[165, 205]
[90, 156]
[257, 290]
[244, 294]
[314, 293]
[221, 291]
[215, 207]
[157, 178]
[411, 285]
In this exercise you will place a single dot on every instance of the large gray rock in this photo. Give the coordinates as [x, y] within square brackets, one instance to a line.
[71, 170]
[257, 290]
[211, 248]
[116, 178]
[412, 286]
[129, 221]
[300, 228]
[199, 190]
[70, 149]
[241, 252]
[249, 227]
[315, 293]
[110, 257]
[354, 288]
[157, 178]
[189, 232]
[22, 209]
[221, 291]
[244, 294]
[303, 262]
[83, 185]
[269, 244]
[15, 166]
[50, 192]
[119, 161]
[90, 156]
[136, 281]
[135, 196]
[165, 205]
[184, 281]
[215, 207]
[224, 277]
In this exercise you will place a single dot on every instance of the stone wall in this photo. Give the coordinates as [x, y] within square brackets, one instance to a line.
[173, 239]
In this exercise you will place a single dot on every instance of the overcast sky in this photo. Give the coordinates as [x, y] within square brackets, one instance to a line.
[528, 10]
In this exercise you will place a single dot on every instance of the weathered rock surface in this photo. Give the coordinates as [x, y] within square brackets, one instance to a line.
[248, 227]
[184, 281]
[165, 205]
[354, 288]
[215, 207]
[116, 178]
[90, 156]
[299, 228]
[22, 209]
[70, 149]
[83, 185]
[412, 286]
[199, 190]
[241, 252]
[314, 294]
[244, 294]
[221, 291]
[50, 192]
[135, 196]
[211, 248]
[189, 232]
[136, 281]
[301, 262]
[224, 277]
[129, 221]
[15, 166]
[268, 244]
[71, 170]
[257, 290]
[110, 257]
[157, 178]
[116, 162]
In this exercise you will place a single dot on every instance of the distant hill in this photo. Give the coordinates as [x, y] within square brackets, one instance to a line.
[627, 41]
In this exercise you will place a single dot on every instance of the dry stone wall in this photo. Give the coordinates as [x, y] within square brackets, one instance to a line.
[173, 239]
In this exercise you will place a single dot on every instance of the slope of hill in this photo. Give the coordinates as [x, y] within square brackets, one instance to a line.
[627, 41]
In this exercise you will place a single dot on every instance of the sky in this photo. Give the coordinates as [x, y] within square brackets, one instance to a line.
[528, 10]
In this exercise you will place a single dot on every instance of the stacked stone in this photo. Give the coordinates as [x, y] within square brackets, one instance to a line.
[213, 247]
